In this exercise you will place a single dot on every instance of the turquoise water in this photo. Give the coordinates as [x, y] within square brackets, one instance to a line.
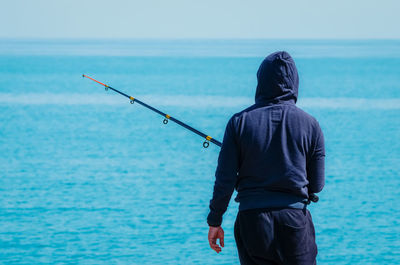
[87, 178]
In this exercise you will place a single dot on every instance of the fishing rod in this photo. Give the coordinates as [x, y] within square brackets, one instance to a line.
[167, 117]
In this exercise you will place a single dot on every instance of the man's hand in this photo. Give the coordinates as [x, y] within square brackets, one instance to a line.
[213, 234]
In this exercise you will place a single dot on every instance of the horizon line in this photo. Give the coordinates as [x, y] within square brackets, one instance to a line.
[197, 38]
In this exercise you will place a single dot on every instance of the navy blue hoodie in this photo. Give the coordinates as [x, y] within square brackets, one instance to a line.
[273, 152]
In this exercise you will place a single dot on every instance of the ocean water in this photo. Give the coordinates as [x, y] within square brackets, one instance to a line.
[87, 178]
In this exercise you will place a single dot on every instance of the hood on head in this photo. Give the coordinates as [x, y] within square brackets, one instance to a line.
[277, 79]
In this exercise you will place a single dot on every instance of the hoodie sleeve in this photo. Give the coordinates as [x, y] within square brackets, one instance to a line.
[316, 165]
[225, 176]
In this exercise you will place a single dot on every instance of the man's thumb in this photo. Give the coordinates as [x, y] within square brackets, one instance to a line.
[221, 237]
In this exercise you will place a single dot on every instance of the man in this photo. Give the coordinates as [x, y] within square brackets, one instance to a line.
[273, 154]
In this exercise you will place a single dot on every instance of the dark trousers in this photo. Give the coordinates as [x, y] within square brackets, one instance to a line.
[277, 236]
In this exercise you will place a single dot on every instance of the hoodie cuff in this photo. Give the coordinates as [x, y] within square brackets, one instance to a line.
[214, 219]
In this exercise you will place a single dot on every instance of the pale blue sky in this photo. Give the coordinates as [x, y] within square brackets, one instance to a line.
[348, 19]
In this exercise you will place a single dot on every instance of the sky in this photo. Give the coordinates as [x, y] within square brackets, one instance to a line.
[176, 19]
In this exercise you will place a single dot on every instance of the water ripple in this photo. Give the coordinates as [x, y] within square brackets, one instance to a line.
[198, 101]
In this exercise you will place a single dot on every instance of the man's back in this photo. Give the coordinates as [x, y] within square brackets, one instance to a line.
[275, 143]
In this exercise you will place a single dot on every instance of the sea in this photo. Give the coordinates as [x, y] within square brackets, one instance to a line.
[88, 178]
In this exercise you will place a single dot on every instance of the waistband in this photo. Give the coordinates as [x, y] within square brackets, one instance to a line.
[269, 199]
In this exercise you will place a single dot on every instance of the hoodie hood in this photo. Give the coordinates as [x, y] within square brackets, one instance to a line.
[278, 79]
